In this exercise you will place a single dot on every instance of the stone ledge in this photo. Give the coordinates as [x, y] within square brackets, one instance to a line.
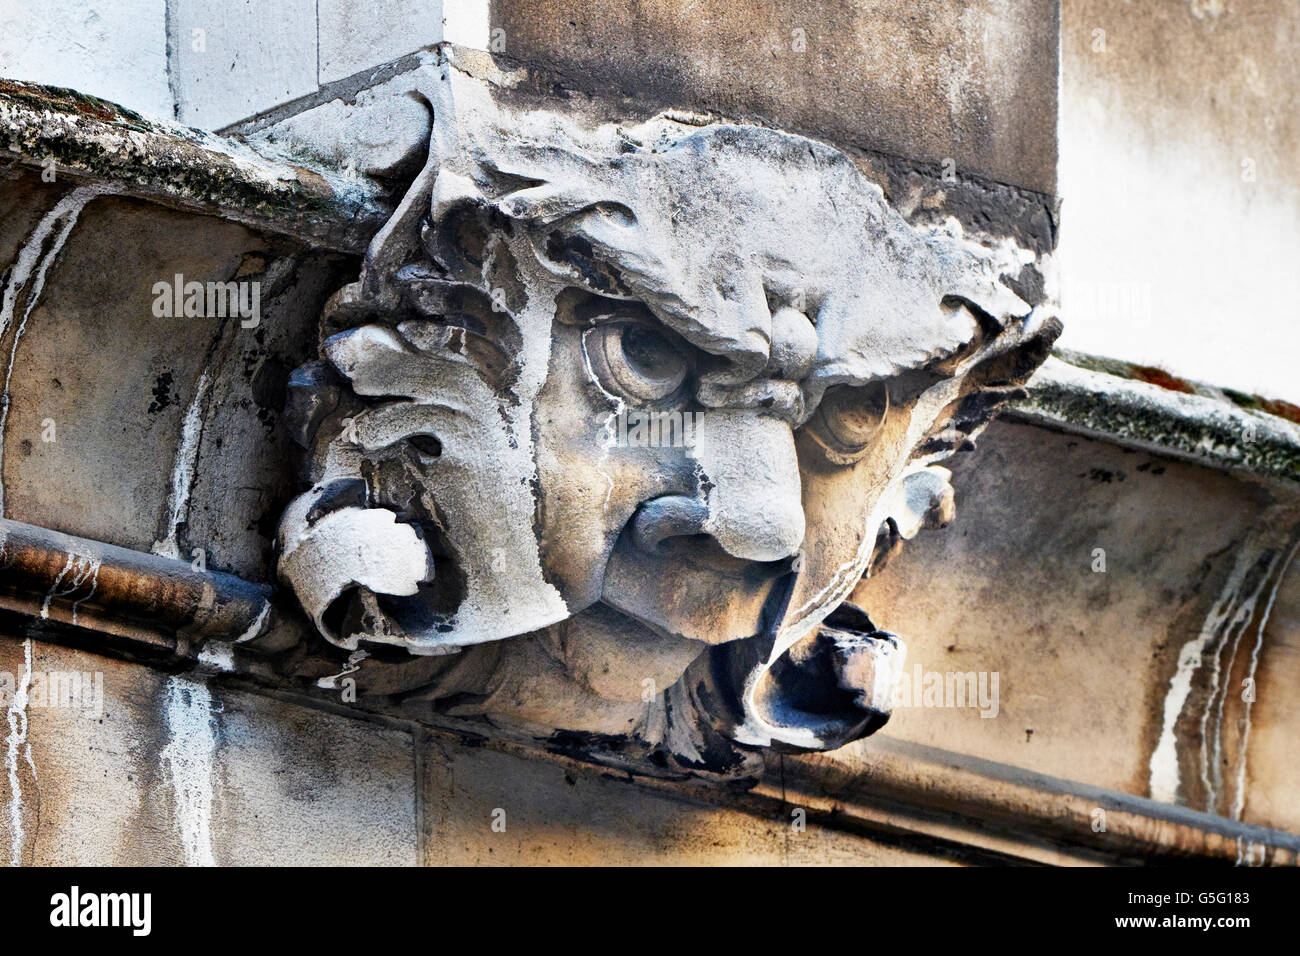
[1195, 422]
[86, 137]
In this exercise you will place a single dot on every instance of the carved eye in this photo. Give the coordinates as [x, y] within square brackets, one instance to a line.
[427, 445]
[849, 418]
[636, 360]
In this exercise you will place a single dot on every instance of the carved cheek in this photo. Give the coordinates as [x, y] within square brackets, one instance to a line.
[838, 502]
[587, 486]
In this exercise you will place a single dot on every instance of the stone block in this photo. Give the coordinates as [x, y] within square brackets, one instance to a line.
[233, 59]
[972, 83]
[487, 807]
[171, 769]
[354, 37]
[116, 49]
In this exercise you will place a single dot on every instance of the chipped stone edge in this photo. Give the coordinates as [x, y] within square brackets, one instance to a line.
[1201, 428]
[81, 136]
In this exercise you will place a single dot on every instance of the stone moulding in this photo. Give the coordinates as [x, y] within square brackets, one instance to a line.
[1206, 428]
[142, 597]
[1026, 814]
[82, 137]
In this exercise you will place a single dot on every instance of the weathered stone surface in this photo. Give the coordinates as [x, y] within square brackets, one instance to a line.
[1003, 809]
[110, 481]
[381, 130]
[971, 82]
[545, 284]
[177, 770]
[1177, 417]
[1087, 662]
[484, 807]
[95, 448]
[74, 136]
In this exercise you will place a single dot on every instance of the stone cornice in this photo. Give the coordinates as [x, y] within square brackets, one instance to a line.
[82, 137]
[1194, 422]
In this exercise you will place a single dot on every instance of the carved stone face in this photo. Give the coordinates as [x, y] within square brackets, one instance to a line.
[635, 393]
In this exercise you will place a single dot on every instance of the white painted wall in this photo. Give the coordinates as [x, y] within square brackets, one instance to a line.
[229, 60]
[115, 49]
[1180, 179]
[232, 59]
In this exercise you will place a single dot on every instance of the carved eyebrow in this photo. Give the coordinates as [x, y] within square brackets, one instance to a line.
[598, 309]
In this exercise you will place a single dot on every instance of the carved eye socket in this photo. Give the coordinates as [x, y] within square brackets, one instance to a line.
[849, 418]
[427, 445]
[636, 360]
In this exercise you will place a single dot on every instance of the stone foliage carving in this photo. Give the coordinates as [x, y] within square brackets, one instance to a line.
[616, 417]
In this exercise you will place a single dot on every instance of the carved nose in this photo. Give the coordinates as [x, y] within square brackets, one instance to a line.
[750, 501]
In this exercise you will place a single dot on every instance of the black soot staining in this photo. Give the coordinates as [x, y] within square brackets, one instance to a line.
[162, 393]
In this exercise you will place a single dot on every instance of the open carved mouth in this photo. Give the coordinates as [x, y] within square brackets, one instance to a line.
[833, 686]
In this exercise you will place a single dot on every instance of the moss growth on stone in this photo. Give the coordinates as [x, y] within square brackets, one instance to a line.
[1230, 439]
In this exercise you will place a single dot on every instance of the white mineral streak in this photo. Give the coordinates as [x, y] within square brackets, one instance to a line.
[187, 455]
[1249, 853]
[91, 572]
[259, 623]
[1165, 774]
[17, 746]
[187, 763]
[32, 263]
[54, 589]
[1239, 796]
[76, 569]
[1231, 614]
[217, 655]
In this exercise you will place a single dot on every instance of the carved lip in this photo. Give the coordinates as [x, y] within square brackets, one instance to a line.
[832, 687]
[674, 586]
[852, 619]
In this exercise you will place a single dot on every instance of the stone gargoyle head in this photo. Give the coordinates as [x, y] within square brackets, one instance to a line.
[616, 417]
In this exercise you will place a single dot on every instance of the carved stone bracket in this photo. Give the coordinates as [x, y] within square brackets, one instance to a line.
[616, 416]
